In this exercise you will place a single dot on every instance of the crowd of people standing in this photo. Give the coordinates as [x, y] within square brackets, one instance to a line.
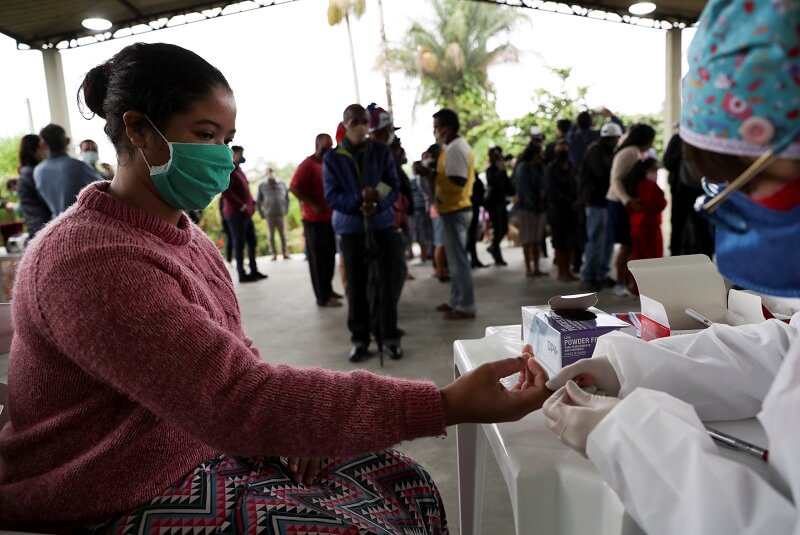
[589, 189]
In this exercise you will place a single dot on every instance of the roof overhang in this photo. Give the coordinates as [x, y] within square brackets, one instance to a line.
[668, 13]
[43, 24]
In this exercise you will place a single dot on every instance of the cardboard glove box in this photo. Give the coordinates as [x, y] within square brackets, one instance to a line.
[566, 330]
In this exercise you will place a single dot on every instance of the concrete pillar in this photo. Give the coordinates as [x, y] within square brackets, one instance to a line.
[56, 90]
[672, 95]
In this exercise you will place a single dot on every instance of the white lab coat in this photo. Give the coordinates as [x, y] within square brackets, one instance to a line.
[654, 452]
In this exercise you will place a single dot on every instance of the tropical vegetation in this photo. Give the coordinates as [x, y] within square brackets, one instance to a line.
[450, 57]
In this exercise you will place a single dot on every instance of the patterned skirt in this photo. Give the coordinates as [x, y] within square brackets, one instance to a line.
[386, 493]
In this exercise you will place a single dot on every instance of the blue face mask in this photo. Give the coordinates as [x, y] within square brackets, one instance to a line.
[758, 248]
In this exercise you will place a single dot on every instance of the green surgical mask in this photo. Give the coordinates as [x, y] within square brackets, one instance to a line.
[194, 174]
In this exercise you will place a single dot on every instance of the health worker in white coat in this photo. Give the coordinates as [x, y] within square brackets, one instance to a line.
[740, 118]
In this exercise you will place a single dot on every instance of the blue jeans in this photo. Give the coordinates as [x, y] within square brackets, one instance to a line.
[599, 244]
[456, 226]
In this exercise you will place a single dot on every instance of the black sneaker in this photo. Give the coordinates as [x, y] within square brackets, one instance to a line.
[358, 353]
[248, 278]
[258, 275]
[395, 351]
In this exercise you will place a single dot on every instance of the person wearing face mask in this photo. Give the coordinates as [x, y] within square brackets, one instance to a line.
[381, 125]
[91, 157]
[498, 189]
[561, 197]
[646, 238]
[35, 211]
[453, 179]
[594, 177]
[529, 178]
[59, 177]
[647, 440]
[638, 140]
[273, 205]
[427, 173]
[361, 185]
[307, 186]
[238, 207]
[133, 388]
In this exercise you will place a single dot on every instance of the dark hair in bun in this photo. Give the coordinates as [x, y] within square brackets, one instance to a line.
[156, 79]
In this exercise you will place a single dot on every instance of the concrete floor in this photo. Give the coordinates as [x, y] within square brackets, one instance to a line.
[281, 316]
[284, 304]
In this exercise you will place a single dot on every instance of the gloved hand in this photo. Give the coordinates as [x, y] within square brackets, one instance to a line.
[596, 371]
[572, 414]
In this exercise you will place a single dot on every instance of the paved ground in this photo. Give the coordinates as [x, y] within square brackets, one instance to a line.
[281, 316]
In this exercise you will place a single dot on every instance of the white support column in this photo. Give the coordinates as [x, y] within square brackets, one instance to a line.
[56, 90]
[672, 95]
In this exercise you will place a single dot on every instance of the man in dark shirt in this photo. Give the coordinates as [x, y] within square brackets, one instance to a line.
[238, 207]
[562, 128]
[581, 134]
[498, 188]
[360, 178]
[594, 177]
[316, 214]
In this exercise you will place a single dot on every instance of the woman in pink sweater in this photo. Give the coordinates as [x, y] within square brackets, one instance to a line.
[137, 402]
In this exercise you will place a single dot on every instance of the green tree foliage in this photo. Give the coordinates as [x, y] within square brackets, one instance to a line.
[451, 55]
[656, 120]
[547, 108]
[9, 163]
[9, 157]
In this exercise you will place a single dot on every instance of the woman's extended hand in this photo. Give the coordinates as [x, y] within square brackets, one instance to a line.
[303, 469]
[596, 371]
[480, 397]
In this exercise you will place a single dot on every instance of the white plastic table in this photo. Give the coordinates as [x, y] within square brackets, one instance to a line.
[553, 490]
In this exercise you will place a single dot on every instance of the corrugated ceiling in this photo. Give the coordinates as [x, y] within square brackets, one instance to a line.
[57, 23]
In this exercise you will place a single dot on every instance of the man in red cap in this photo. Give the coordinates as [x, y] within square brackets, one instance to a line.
[381, 125]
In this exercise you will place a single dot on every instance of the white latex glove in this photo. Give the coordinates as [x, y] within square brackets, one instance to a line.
[572, 414]
[596, 371]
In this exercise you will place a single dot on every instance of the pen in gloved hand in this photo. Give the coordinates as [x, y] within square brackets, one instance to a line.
[692, 313]
[739, 444]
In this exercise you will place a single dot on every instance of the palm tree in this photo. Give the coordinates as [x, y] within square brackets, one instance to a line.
[339, 10]
[451, 56]
[384, 50]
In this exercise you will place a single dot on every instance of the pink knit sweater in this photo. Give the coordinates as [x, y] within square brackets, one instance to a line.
[129, 367]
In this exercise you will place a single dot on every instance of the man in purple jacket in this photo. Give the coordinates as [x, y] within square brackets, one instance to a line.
[360, 180]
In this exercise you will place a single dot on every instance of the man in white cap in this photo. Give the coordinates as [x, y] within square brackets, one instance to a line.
[593, 179]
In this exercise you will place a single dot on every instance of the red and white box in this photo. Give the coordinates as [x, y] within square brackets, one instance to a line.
[670, 285]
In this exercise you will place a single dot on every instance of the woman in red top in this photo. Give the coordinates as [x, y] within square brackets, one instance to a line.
[646, 239]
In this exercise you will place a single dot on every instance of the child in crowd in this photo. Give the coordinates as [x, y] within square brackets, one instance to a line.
[646, 239]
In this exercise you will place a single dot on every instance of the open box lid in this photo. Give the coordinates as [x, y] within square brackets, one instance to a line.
[667, 286]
